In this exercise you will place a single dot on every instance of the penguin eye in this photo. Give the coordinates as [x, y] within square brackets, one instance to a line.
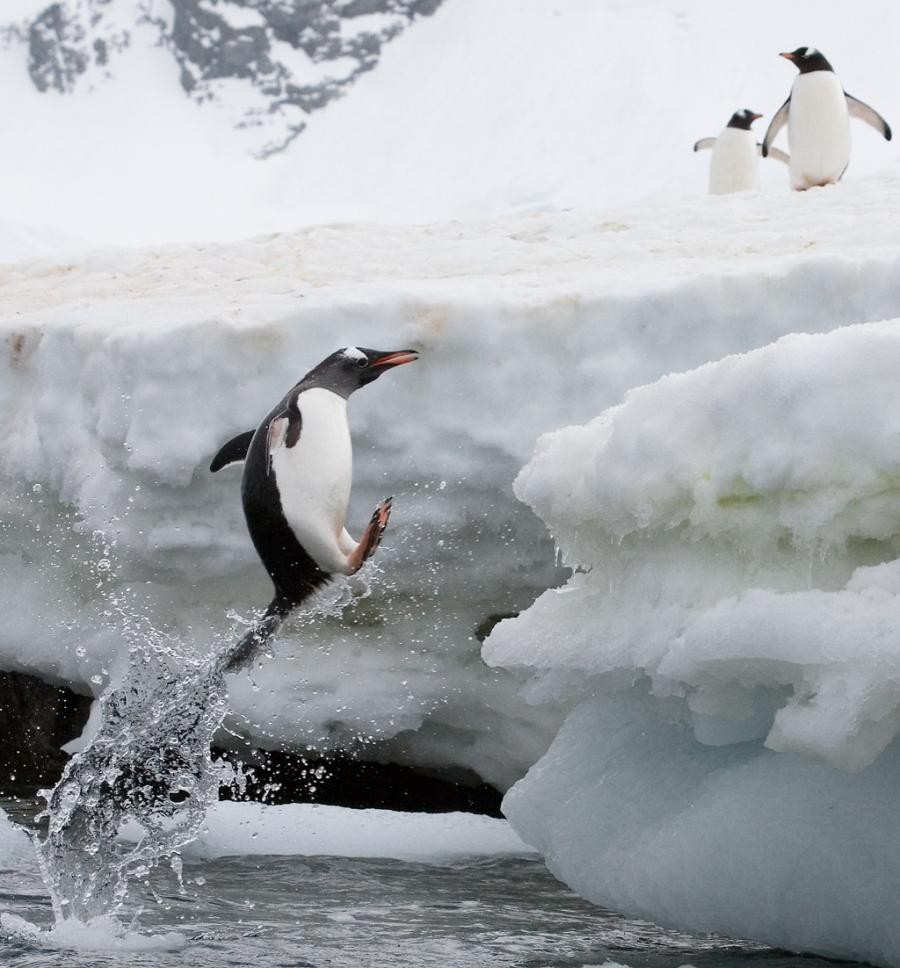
[362, 362]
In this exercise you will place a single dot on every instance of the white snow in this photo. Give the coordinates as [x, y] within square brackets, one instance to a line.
[234, 14]
[734, 565]
[315, 830]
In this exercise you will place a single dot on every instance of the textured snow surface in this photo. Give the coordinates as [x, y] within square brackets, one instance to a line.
[313, 829]
[736, 618]
[123, 374]
[740, 524]
[478, 109]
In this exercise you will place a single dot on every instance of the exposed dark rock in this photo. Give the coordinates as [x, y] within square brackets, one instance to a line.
[485, 627]
[36, 719]
[343, 781]
[76, 41]
[55, 50]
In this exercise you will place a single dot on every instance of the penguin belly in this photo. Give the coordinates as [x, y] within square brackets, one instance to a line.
[315, 475]
[818, 130]
[734, 166]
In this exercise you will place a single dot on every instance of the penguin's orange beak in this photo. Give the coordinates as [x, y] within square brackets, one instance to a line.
[755, 117]
[397, 358]
[789, 56]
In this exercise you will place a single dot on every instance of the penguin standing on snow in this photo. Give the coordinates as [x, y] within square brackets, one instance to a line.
[298, 470]
[817, 113]
[734, 166]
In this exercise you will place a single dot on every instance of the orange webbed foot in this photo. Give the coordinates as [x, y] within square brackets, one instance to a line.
[371, 539]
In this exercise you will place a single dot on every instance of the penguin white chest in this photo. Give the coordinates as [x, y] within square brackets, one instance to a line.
[734, 166]
[818, 130]
[314, 476]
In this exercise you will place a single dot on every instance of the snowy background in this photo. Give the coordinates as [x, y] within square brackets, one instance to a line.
[508, 187]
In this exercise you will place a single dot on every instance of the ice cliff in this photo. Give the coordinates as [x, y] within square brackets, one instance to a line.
[124, 372]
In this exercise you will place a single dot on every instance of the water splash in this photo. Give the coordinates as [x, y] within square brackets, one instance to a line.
[141, 788]
[148, 770]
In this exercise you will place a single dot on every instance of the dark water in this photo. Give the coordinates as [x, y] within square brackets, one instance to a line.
[292, 912]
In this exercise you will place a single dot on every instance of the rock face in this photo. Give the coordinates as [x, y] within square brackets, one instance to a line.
[35, 720]
[287, 57]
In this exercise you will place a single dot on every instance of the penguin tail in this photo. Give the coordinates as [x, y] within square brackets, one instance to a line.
[255, 640]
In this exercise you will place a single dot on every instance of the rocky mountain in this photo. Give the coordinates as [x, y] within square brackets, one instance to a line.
[268, 63]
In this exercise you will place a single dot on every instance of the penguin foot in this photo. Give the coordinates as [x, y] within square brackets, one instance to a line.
[371, 539]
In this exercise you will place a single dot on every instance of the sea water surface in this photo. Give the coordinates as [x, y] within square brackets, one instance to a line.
[337, 912]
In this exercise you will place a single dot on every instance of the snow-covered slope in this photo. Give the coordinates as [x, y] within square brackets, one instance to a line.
[123, 373]
[476, 110]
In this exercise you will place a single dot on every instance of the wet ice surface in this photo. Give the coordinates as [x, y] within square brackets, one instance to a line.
[327, 912]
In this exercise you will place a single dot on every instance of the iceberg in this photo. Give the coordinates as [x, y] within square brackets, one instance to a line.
[727, 649]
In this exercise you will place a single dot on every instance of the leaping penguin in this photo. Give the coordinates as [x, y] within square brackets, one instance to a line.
[734, 166]
[295, 488]
[817, 113]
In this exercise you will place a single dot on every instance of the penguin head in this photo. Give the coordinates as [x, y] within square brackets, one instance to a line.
[807, 60]
[743, 119]
[355, 366]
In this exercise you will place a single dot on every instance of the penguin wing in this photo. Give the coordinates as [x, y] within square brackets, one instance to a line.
[775, 125]
[278, 427]
[776, 153]
[704, 143]
[859, 109]
[234, 452]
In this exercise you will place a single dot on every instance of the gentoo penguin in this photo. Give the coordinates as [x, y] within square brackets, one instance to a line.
[734, 166]
[298, 469]
[817, 113]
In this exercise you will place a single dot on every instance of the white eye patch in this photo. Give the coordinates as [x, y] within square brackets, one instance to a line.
[810, 51]
[352, 353]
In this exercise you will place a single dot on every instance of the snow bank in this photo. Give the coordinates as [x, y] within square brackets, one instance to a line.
[736, 617]
[312, 829]
[122, 374]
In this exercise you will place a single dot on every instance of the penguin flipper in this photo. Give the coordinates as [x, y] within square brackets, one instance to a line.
[862, 111]
[775, 125]
[278, 428]
[704, 143]
[234, 452]
[777, 154]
